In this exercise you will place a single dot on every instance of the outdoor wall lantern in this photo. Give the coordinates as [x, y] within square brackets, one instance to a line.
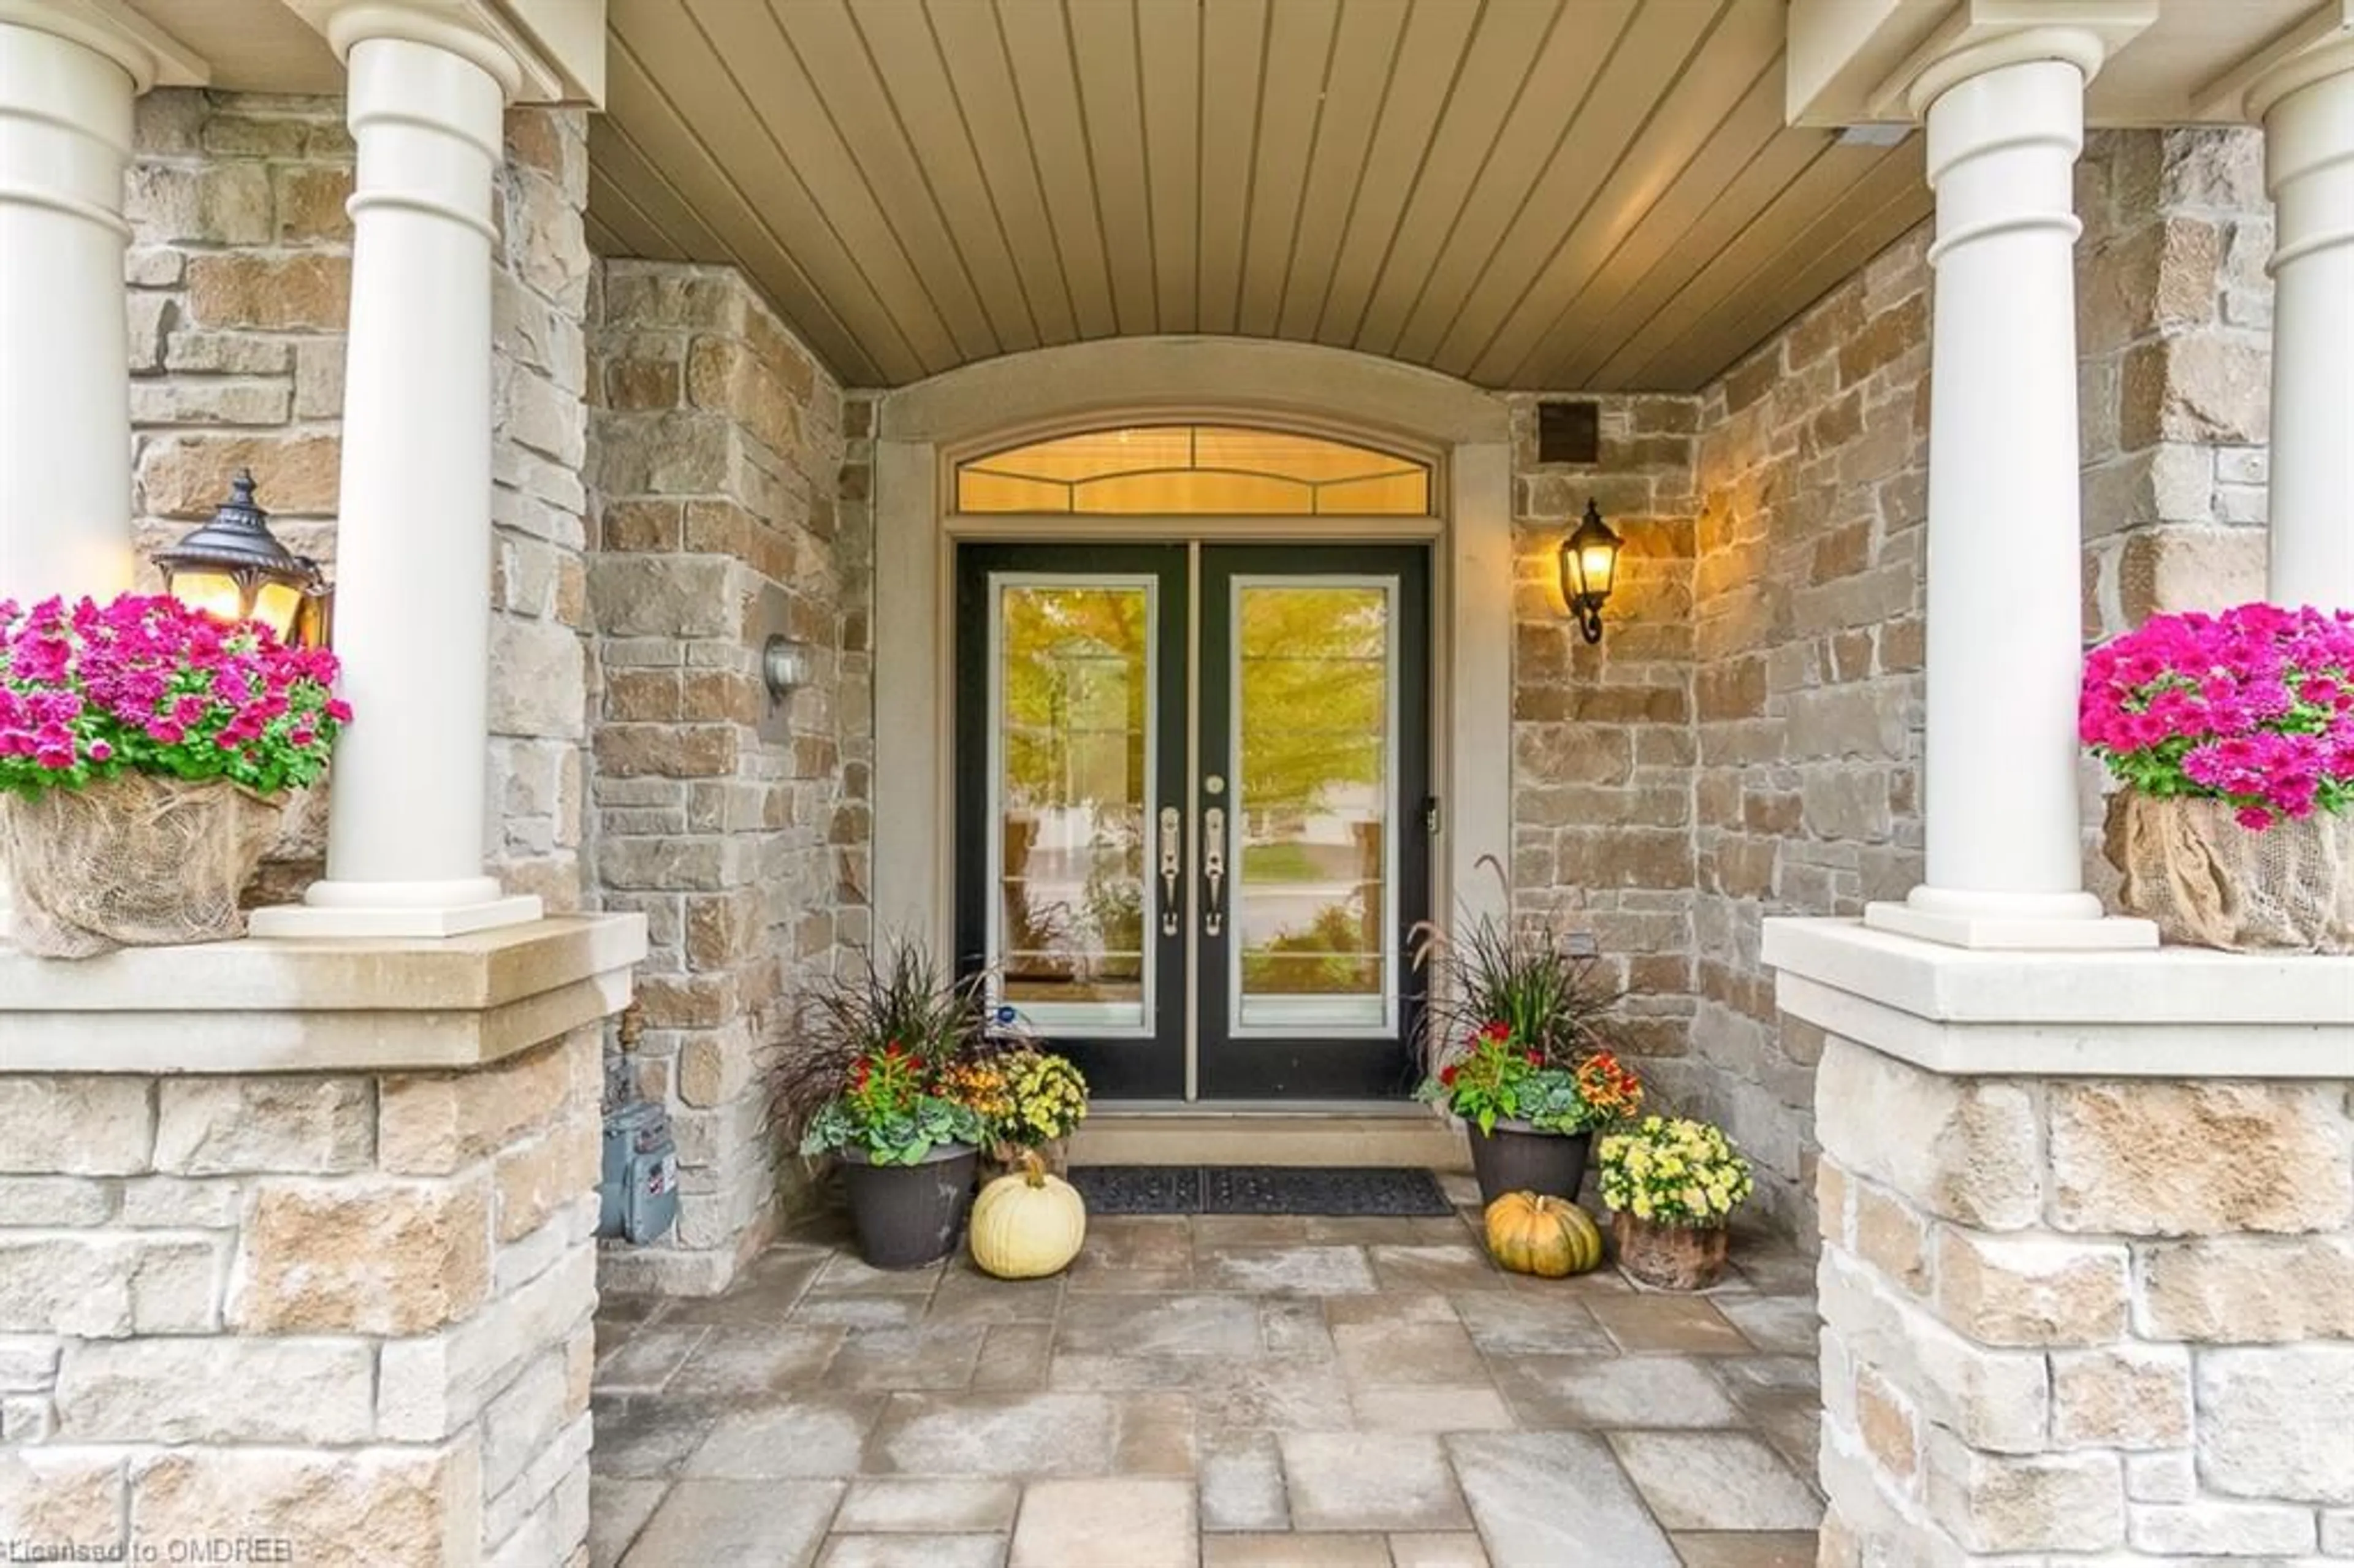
[1589, 560]
[784, 667]
[234, 567]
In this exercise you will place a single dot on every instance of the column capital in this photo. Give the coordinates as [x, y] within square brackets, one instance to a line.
[147, 54]
[1985, 35]
[2318, 44]
[535, 54]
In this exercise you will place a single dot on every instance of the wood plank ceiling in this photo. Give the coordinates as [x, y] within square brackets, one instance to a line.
[1587, 194]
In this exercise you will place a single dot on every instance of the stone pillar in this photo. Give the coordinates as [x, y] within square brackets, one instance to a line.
[2087, 1277]
[65, 393]
[2004, 867]
[332, 1291]
[405, 835]
[2307, 109]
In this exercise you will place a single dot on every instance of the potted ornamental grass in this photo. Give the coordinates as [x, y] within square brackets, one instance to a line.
[871, 1079]
[1516, 1042]
[146, 751]
[2233, 737]
[1672, 1184]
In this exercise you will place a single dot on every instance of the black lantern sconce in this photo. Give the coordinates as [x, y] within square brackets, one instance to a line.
[234, 567]
[1589, 563]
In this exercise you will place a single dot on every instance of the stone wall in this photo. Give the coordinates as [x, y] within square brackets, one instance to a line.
[717, 443]
[540, 647]
[1813, 481]
[239, 290]
[2174, 323]
[1602, 746]
[2084, 1316]
[346, 1313]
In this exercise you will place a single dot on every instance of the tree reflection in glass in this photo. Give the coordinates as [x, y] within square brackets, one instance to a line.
[1073, 690]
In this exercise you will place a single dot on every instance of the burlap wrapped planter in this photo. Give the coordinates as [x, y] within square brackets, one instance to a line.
[2211, 883]
[1669, 1257]
[1005, 1159]
[134, 861]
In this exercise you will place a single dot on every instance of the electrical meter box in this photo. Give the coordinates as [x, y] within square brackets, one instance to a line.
[640, 1190]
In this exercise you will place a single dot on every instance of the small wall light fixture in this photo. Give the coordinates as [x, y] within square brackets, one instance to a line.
[234, 567]
[784, 667]
[1589, 562]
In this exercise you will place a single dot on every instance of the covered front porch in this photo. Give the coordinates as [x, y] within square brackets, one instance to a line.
[682, 398]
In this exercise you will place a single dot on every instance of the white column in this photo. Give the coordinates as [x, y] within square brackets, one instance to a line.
[2005, 125]
[2307, 109]
[413, 538]
[65, 388]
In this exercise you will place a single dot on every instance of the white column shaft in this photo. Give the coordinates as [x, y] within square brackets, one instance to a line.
[2004, 626]
[65, 397]
[413, 538]
[2309, 170]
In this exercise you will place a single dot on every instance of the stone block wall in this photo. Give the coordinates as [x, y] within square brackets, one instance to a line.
[542, 665]
[2098, 1319]
[1602, 745]
[350, 1313]
[1813, 475]
[716, 449]
[239, 290]
[2174, 320]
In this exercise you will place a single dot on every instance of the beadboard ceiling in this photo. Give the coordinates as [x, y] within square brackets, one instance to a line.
[1567, 193]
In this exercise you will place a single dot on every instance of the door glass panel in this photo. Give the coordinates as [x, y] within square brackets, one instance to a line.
[1071, 793]
[1314, 713]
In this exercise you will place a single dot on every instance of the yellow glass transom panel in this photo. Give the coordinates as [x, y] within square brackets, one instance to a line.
[1196, 470]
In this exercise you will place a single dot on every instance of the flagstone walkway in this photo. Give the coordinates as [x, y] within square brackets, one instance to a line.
[1210, 1393]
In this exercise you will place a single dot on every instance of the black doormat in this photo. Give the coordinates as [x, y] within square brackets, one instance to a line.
[1259, 1189]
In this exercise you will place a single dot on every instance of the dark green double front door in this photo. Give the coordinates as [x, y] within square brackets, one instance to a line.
[1193, 820]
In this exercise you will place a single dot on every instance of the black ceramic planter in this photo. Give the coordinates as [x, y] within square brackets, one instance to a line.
[1517, 1158]
[909, 1215]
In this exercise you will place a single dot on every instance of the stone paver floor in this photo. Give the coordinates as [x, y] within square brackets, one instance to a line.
[1210, 1393]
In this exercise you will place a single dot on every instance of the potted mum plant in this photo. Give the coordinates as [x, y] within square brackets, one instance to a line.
[1035, 1100]
[146, 750]
[872, 1079]
[1672, 1184]
[2233, 735]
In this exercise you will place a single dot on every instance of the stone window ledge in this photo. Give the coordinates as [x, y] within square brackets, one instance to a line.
[2170, 1012]
[264, 1005]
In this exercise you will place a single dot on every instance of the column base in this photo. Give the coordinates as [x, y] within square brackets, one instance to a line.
[304, 920]
[2063, 921]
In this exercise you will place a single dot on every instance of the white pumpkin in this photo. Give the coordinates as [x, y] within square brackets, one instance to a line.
[1029, 1224]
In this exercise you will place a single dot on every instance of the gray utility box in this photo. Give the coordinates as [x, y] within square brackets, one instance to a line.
[639, 1190]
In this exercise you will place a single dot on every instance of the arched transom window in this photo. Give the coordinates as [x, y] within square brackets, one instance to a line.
[1196, 470]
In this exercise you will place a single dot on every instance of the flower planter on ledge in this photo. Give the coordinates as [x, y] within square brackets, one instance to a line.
[2207, 881]
[136, 859]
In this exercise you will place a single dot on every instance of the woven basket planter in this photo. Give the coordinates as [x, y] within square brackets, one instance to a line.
[2206, 880]
[1671, 1257]
[134, 861]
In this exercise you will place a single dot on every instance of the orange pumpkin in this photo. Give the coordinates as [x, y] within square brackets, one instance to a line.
[1528, 1233]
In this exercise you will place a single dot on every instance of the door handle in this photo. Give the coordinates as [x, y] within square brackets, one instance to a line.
[1171, 866]
[1214, 868]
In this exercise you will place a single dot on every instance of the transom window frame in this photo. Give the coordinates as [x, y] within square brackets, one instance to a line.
[1385, 462]
[1436, 460]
